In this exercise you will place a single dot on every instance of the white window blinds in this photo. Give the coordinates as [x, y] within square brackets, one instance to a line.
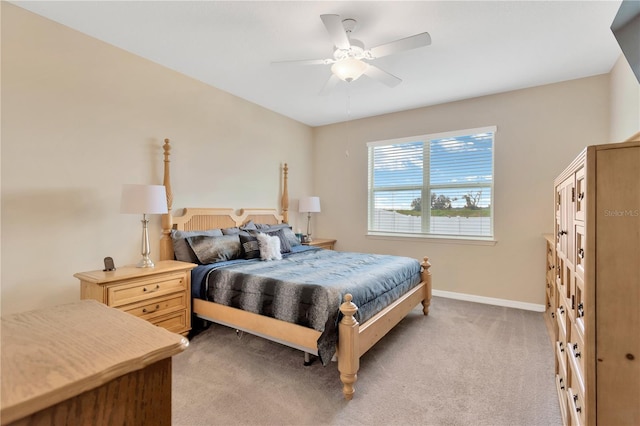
[438, 185]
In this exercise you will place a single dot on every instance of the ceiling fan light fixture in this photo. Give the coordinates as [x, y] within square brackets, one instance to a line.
[349, 69]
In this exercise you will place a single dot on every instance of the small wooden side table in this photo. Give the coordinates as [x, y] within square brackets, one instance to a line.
[322, 243]
[160, 295]
[85, 363]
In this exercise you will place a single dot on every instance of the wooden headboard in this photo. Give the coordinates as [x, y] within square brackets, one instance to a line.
[198, 219]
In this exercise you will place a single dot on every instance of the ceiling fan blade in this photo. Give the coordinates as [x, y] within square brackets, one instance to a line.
[330, 84]
[336, 31]
[382, 76]
[408, 43]
[305, 62]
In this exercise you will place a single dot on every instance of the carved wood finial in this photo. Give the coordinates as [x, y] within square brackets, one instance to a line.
[348, 309]
[167, 173]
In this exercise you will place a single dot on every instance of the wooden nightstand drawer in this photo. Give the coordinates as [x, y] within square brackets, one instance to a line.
[175, 322]
[143, 289]
[322, 243]
[158, 306]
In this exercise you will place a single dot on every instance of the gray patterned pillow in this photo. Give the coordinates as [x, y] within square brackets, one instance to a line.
[215, 249]
[250, 246]
[249, 226]
[181, 248]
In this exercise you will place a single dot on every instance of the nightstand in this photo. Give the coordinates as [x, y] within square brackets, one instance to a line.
[160, 295]
[322, 243]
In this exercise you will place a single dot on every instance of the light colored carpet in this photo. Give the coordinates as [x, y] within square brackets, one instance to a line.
[464, 364]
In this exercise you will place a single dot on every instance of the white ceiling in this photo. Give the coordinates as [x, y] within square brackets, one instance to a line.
[478, 47]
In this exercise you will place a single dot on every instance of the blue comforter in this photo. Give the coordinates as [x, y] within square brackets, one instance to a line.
[307, 287]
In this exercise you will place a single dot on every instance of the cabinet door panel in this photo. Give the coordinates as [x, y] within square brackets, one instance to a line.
[617, 289]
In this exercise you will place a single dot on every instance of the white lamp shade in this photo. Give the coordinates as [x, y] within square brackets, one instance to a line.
[349, 69]
[143, 199]
[309, 205]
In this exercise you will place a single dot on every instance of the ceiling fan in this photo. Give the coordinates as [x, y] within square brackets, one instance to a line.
[350, 57]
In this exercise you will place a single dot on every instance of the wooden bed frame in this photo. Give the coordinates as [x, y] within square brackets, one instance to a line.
[354, 339]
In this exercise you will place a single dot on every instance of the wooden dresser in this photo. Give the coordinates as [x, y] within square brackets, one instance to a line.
[597, 277]
[85, 363]
[160, 295]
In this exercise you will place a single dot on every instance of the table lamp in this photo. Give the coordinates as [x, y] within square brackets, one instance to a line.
[144, 199]
[309, 205]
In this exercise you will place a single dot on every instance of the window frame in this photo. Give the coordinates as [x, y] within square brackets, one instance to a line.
[426, 187]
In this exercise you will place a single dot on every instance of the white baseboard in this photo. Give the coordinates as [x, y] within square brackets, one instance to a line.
[489, 300]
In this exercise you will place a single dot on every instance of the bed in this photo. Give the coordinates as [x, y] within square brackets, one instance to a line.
[345, 331]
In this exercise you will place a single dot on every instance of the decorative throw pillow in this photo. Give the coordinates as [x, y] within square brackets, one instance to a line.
[181, 248]
[285, 247]
[215, 249]
[234, 231]
[288, 232]
[250, 246]
[231, 231]
[291, 236]
[269, 247]
[249, 226]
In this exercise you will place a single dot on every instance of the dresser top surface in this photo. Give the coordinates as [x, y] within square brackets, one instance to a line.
[53, 354]
[131, 271]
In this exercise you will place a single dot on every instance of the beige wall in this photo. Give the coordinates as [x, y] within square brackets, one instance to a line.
[625, 101]
[540, 130]
[80, 118]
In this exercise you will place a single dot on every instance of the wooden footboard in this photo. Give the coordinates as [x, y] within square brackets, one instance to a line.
[354, 340]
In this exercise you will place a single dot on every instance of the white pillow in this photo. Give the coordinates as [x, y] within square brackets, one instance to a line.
[269, 247]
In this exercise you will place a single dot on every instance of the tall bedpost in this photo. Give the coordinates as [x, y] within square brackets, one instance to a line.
[349, 347]
[166, 245]
[426, 277]
[285, 194]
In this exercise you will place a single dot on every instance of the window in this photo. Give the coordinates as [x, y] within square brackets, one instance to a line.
[437, 185]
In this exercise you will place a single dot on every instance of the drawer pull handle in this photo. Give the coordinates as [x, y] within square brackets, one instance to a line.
[581, 253]
[580, 310]
[561, 384]
[575, 400]
[144, 310]
[575, 348]
[560, 345]
[152, 290]
[562, 310]
[581, 196]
